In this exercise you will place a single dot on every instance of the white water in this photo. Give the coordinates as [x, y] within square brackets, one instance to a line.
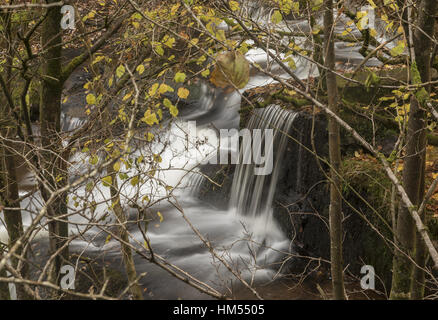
[232, 231]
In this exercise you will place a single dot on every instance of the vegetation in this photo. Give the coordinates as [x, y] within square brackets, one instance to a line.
[140, 65]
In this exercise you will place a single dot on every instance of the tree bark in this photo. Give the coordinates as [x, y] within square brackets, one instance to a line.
[423, 51]
[54, 167]
[405, 233]
[335, 211]
[8, 178]
[406, 282]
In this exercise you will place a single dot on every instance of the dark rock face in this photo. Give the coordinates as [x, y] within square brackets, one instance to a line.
[301, 203]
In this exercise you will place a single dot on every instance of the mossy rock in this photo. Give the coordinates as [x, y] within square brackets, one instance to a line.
[367, 178]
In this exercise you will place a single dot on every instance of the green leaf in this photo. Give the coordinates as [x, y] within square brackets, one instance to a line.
[180, 77]
[398, 50]
[276, 17]
[120, 71]
[153, 89]
[140, 69]
[94, 160]
[160, 216]
[107, 181]
[89, 187]
[167, 103]
[134, 181]
[159, 49]
[150, 118]
[173, 111]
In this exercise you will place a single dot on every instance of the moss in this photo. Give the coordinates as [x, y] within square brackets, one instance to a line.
[367, 178]
[365, 175]
[421, 94]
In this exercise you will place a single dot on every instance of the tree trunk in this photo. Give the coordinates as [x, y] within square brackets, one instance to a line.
[8, 178]
[54, 167]
[4, 286]
[123, 233]
[423, 51]
[402, 267]
[406, 282]
[335, 211]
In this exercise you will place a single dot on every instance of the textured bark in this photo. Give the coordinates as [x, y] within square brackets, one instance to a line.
[408, 283]
[402, 267]
[418, 278]
[423, 51]
[335, 211]
[8, 179]
[50, 115]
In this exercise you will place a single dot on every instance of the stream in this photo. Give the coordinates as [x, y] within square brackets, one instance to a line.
[245, 235]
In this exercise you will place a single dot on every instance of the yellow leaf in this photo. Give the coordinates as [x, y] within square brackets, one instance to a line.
[173, 111]
[205, 73]
[234, 5]
[91, 99]
[127, 96]
[153, 89]
[150, 137]
[174, 9]
[120, 71]
[183, 93]
[150, 117]
[160, 216]
[180, 77]
[276, 17]
[164, 88]
[140, 69]
[98, 59]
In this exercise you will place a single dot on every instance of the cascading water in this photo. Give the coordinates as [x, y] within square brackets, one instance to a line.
[247, 223]
[252, 194]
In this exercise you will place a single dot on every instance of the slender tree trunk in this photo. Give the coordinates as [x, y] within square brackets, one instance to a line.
[50, 114]
[123, 233]
[402, 267]
[335, 211]
[417, 285]
[8, 180]
[424, 57]
[4, 286]
[406, 282]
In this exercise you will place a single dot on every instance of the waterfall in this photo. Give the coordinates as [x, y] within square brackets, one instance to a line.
[252, 195]
[69, 123]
